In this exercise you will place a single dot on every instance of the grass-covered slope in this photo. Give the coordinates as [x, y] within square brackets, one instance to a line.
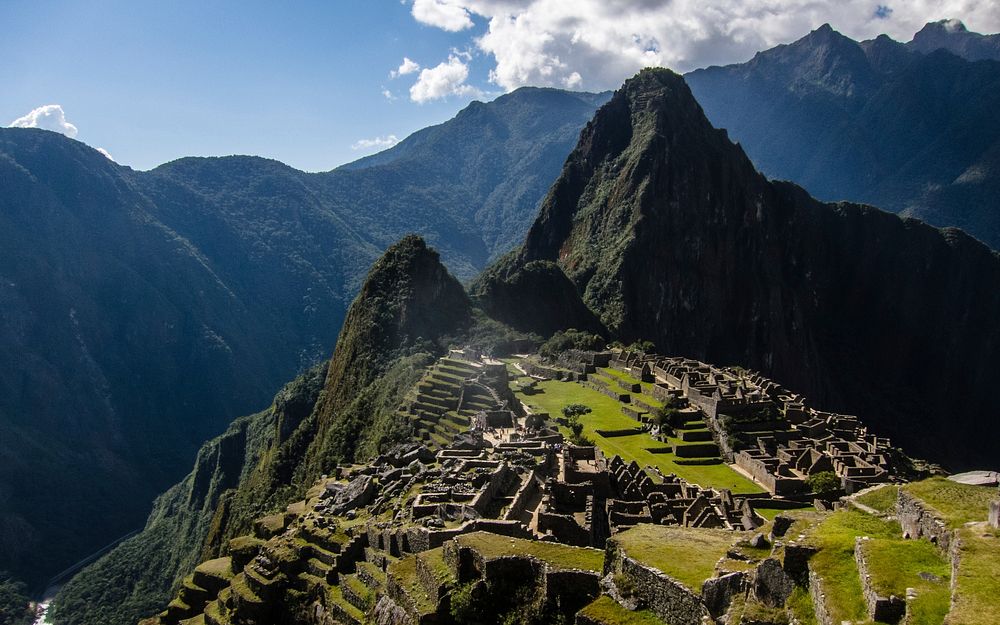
[669, 234]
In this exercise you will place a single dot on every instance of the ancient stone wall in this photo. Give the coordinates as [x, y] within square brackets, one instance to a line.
[527, 491]
[919, 522]
[880, 608]
[818, 596]
[667, 598]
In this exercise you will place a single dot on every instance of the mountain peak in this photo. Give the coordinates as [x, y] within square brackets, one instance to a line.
[408, 301]
[953, 36]
[946, 25]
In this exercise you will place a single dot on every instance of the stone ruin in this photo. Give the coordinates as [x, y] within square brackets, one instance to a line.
[481, 463]
[594, 498]
[766, 430]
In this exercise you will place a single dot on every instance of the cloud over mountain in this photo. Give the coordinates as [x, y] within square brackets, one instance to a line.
[377, 143]
[595, 44]
[48, 117]
[447, 78]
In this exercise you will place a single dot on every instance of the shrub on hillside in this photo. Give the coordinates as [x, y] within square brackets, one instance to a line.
[570, 339]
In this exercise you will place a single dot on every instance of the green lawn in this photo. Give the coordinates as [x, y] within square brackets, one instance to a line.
[882, 498]
[977, 585]
[684, 553]
[896, 565]
[835, 563]
[957, 503]
[553, 395]
[770, 513]
[607, 611]
[556, 555]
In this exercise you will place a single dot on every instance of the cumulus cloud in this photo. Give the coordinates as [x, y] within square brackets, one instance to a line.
[448, 78]
[448, 15]
[107, 154]
[48, 117]
[406, 67]
[378, 143]
[596, 44]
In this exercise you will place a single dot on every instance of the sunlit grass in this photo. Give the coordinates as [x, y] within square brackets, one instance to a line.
[552, 395]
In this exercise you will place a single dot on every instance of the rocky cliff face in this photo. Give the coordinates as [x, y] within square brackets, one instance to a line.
[407, 308]
[669, 233]
[906, 127]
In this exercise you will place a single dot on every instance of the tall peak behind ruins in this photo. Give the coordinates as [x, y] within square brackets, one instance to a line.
[669, 233]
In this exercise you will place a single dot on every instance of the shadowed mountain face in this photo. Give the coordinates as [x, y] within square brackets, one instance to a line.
[143, 311]
[910, 128]
[670, 234]
[407, 307]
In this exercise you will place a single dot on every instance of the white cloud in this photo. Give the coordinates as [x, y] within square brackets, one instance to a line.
[406, 67]
[106, 153]
[48, 117]
[388, 95]
[448, 78]
[448, 15]
[378, 143]
[596, 44]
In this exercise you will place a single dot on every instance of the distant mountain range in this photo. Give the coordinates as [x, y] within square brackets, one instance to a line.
[910, 128]
[140, 312]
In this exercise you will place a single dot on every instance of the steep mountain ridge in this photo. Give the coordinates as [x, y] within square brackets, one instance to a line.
[880, 122]
[336, 412]
[143, 311]
[669, 233]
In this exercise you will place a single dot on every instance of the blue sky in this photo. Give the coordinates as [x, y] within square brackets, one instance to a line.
[306, 82]
[151, 82]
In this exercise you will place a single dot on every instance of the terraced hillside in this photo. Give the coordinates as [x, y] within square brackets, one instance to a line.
[446, 398]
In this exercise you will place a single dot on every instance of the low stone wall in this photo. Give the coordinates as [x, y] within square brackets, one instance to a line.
[919, 522]
[696, 450]
[623, 432]
[613, 394]
[541, 371]
[528, 490]
[421, 538]
[666, 597]
[882, 609]
[634, 413]
[818, 596]
[564, 528]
